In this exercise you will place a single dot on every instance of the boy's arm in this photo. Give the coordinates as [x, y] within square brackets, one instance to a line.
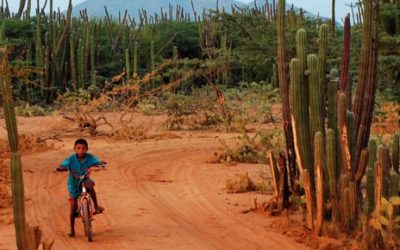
[64, 166]
[97, 162]
[61, 169]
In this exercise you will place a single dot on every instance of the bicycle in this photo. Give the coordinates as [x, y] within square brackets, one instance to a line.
[85, 204]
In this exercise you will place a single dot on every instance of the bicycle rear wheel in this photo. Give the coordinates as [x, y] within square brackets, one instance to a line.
[86, 220]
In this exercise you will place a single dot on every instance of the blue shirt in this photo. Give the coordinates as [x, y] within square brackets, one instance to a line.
[73, 164]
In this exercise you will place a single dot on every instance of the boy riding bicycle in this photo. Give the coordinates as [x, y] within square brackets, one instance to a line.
[77, 165]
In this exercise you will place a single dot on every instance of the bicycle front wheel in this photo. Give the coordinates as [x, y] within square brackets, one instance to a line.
[86, 220]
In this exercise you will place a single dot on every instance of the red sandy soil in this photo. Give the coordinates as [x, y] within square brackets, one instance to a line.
[157, 194]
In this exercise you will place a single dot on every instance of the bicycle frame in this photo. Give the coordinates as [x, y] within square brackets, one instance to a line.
[85, 195]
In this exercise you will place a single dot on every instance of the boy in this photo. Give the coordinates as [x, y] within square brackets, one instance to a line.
[77, 165]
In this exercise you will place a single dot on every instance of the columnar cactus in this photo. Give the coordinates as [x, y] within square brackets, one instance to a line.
[395, 152]
[93, 61]
[332, 169]
[383, 159]
[175, 54]
[301, 140]
[284, 90]
[344, 71]
[394, 183]
[370, 176]
[351, 138]
[127, 65]
[365, 97]
[300, 106]
[152, 60]
[319, 166]
[81, 73]
[17, 186]
[332, 99]
[72, 60]
[315, 94]
[322, 52]
[135, 61]
[274, 78]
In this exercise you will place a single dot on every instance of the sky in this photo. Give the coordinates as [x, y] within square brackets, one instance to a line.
[323, 7]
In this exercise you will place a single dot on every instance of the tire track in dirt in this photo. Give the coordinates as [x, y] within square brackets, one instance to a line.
[157, 195]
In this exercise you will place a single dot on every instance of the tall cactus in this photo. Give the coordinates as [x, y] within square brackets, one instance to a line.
[321, 67]
[332, 99]
[344, 135]
[3, 37]
[319, 165]
[175, 54]
[135, 61]
[395, 152]
[394, 183]
[127, 65]
[331, 166]
[72, 61]
[344, 71]
[370, 176]
[315, 92]
[300, 107]
[81, 61]
[365, 97]
[152, 61]
[301, 140]
[379, 180]
[383, 159]
[93, 80]
[284, 90]
[17, 186]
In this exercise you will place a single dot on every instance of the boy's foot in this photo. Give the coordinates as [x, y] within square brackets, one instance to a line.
[98, 210]
[71, 234]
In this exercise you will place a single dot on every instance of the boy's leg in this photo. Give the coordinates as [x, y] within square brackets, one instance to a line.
[72, 215]
[90, 188]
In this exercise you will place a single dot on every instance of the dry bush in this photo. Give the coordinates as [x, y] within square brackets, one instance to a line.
[197, 111]
[386, 119]
[28, 143]
[252, 149]
[241, 184]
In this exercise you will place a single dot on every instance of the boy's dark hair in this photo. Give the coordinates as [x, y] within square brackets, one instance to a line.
[82, 142]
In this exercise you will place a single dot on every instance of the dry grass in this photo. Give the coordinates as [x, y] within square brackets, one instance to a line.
[241, 184]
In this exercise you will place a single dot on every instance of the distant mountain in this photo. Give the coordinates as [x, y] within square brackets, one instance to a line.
[114, 7]
[96, 7]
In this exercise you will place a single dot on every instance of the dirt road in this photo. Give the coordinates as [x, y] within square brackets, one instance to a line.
[157, 195]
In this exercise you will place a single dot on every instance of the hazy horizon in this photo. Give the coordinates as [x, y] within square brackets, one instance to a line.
[313, 6]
